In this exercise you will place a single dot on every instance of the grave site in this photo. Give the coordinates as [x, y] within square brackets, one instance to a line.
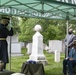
[36, 58]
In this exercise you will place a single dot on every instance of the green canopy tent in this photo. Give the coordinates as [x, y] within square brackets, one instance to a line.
[47, 9]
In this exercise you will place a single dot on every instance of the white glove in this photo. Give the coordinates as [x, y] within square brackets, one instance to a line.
[9, 27]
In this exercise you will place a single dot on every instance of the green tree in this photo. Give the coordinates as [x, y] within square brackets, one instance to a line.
[51, 29]
[15, 25]
[27, 29]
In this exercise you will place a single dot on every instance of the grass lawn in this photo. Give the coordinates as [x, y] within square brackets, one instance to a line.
[53, 68]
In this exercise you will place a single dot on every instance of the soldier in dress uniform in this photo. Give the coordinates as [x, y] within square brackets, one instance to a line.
[4, 32]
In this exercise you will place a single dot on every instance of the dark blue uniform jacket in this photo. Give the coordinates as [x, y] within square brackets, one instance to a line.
[4, 32]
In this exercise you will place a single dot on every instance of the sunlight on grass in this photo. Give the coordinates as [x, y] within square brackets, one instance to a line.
[53, 68]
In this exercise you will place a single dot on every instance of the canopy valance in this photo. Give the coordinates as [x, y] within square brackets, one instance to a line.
[49, 9]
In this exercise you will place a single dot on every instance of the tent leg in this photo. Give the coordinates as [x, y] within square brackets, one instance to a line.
[10, 54]
[66, 50]
[10, 48]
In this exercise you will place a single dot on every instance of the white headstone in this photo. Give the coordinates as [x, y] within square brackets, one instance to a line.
[37, 47]
[13, 38]
[29, 48]
[15, 46]
[15, 49]
[55, 45]
[57, 56]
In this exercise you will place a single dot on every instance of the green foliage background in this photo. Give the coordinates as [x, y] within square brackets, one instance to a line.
[51, 29]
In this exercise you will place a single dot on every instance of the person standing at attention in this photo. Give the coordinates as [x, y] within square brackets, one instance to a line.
[68, 41]
[4, 32]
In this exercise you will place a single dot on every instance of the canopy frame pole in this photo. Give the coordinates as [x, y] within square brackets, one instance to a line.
[67, 23]
[10, 46]
[67, 27]
[10, 40]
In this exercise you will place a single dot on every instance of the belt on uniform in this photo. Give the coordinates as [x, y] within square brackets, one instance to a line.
[2, 38]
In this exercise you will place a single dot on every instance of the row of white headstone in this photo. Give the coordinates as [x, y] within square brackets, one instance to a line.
[55, 46]
[35, 49]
